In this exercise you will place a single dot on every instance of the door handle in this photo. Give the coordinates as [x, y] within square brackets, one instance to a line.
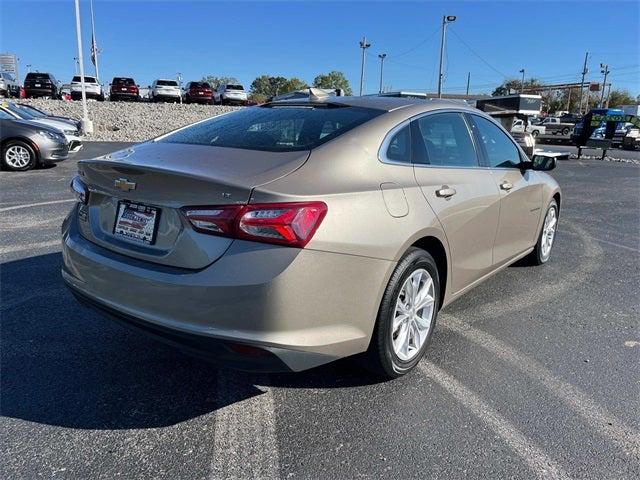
[506, 186]
[445, 192]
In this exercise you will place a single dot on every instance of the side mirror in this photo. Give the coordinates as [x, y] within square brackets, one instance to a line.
[545, 161]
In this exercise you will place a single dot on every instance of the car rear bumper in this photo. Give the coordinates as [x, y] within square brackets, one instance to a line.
[304, 307]
[123, 95]
[44, 91]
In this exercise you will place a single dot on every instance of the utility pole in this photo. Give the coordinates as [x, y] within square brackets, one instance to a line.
[606, 103]
[381, 56]
[584, 73]
[568, 98]
[75, 61]
[522, 82]
[446, 19]
[363, 45]
[468, 81]
[87, 125]
[94, 44]
[605, 71]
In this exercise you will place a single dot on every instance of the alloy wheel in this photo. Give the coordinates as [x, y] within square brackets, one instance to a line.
[17, 156]
[548, 232]
[413, 315]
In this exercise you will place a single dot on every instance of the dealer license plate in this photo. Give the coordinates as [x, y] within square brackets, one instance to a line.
[137, 222]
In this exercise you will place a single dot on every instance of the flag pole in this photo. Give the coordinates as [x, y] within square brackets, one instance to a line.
[94, 44]
[87, 125]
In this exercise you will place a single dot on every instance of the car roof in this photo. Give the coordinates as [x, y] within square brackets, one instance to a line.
[387, 104]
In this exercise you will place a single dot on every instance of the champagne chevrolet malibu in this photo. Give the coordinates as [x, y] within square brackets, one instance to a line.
[286, 236]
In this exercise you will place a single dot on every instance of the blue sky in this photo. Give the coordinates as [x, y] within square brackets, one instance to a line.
[154, 39]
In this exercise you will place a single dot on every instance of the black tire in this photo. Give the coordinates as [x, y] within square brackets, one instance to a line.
[33, 159]
[535, 133]
[565, 131]
[381, 358]
[536, 257]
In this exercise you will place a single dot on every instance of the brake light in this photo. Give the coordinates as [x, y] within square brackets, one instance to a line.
[291, 224]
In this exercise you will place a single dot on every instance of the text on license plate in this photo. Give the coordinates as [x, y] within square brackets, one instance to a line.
[136, 222]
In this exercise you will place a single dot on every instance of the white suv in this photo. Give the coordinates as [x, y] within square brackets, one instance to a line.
[227, 94]
[8, 85]
[92, 88]
[163, 90]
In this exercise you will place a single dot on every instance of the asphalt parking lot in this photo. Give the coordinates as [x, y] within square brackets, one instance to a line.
[535, 373]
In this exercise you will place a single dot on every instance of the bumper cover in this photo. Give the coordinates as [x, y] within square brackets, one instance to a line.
[305, 307]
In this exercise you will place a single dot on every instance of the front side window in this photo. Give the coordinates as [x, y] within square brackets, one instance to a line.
[446, 141]
[500, 150]
[399, 147]
[5, 116]
[275, 128]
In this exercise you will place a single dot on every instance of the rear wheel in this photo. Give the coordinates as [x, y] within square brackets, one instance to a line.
[406, 317]
[18, 156]
[565, 131]
[535, 133]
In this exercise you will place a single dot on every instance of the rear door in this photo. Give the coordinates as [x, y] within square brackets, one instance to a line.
[520, 190]
[462, 193]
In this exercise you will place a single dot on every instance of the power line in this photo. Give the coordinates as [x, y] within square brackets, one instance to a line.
[426, 39]
[477, 54]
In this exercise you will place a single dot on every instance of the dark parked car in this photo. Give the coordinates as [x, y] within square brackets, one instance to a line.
[124, 88]
[26, 144]
[38, 84]
[198, 92]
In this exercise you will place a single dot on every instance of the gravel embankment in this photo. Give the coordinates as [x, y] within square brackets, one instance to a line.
[128, 121]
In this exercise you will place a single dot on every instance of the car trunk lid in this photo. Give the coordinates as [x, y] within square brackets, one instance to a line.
[159, 179]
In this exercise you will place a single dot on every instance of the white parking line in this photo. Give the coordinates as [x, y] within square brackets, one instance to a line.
[245, 442]
[29, 205]
[30, 246]
[539, 463]
[607, 242]
[593, 414]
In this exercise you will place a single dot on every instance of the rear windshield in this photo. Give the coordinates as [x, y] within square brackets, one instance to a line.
[86, 79]
[276, 129]
[200, 85]
[235, 87]
[167, 83]
[39, 76]
[123, 81]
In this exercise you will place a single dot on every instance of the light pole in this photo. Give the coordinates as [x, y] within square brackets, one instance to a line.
[179, 78]
[468, 81]
[381, 56]
[605, 71]
[585, 70]
[87, 125]
[94, 45]
[522, 83]
[363, 45]
[446, 19]
[75, 61]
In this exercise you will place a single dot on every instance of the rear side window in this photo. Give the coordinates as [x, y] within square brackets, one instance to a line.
[277, 129]
[399, 147]
[446, 141]
[500, 150]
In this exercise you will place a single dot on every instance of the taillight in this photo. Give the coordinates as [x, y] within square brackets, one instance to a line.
[291, 224]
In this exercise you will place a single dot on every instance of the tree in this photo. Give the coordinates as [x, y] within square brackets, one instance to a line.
[294, 84]
[620, 97]
[333, 79]
[265, 86]
[217, 81]
[515, 85]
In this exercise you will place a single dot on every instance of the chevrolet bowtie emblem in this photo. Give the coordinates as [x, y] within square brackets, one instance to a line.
[124, 184]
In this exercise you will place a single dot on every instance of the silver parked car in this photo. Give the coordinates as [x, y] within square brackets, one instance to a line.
[26, 144]
[292, 234]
